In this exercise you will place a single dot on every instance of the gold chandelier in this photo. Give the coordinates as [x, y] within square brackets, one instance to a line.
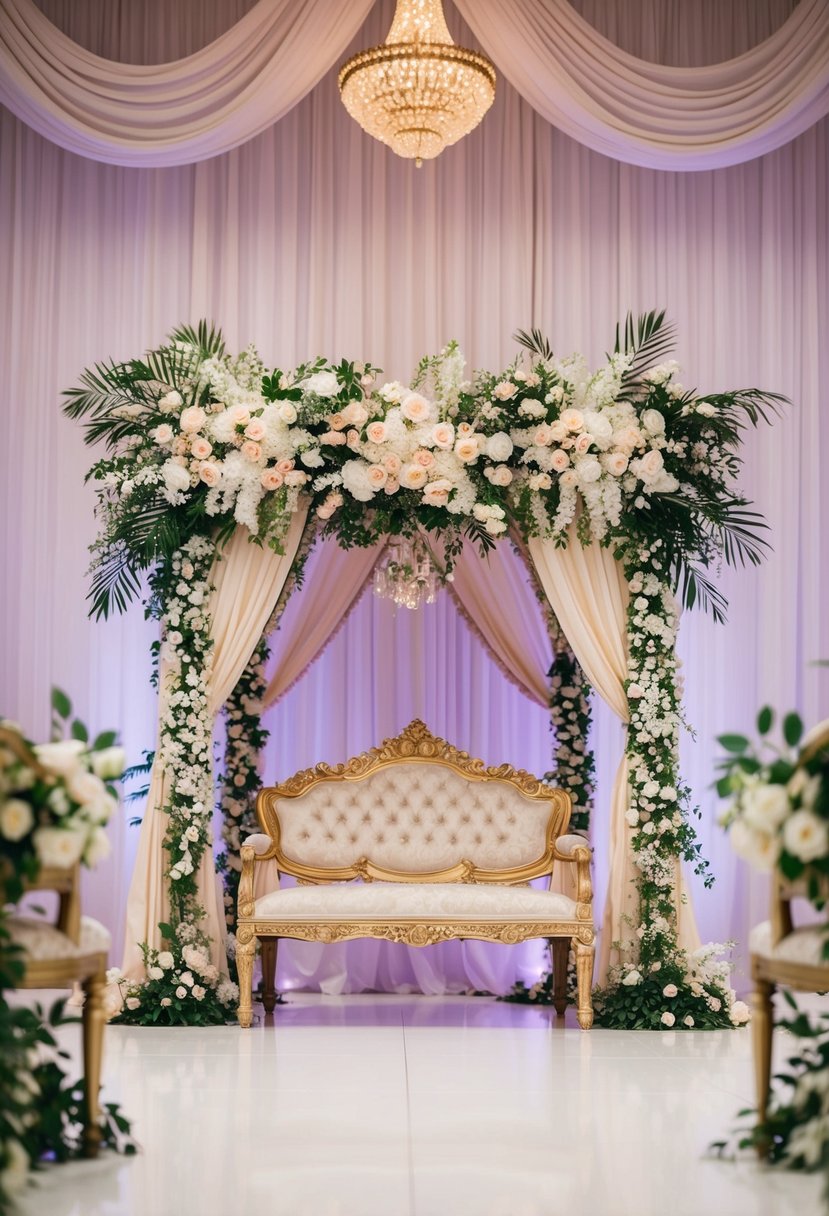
[418, 92]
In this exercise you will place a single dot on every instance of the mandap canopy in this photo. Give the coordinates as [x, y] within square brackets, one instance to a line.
[618, 486]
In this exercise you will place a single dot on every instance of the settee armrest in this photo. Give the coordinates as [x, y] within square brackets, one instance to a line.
[259, 842]
[257, 847]
[576, 851]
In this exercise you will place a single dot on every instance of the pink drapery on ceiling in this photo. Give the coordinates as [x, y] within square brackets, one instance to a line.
[633, 110]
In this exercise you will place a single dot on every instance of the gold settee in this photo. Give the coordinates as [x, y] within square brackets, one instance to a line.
[443, 847]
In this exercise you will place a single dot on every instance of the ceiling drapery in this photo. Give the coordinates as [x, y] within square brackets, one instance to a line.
[627, 108]
[171, 113]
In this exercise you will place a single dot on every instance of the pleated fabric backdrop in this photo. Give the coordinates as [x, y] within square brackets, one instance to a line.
[315, 238]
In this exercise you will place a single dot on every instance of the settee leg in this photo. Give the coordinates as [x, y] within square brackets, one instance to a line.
[94, 1021]
[560, 951]
[584, 975]
[245, 953]
[269, 946]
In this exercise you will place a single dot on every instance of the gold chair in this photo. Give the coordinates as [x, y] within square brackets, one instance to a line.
[782, 954]
[71, 950]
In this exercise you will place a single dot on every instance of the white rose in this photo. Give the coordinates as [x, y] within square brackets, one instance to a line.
[650, 466]
[573, 420]
[632, 979]
[181, 992]
[499, 446]
[199, 992]
[588, 470]
[176, 478]
[759, 849]
[356, 480]
[323, 384]
[165, 1001]
[170, 402]
[166, 960]
[766, 806]
[98, 848]
[670, 990]
[705, 408]
[155, 973]
[616, 463]
[653, 422]
[287, 412]
[85, 787]
[162, 434]
[504, 390]
[436, 493]
[16, 819]
[133, 1002]
[688, 1021]
[192, 419]
[500, 475]
[739, 1013]
[60, 847]
[667, 1018]
[805, 836]
[632, 818]
[109, 763]
[62, 757]
[443, 435]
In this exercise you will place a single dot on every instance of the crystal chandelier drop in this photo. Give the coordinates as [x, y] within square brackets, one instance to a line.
[418, 92]
[405, 574]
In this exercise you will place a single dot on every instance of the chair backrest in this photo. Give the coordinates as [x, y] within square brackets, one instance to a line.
[782, 890]
[414, 809]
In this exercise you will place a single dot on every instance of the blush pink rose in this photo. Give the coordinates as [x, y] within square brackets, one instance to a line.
[338, 422]
[377, 476]
[543, 436]
[201, 448]
[376, 432]
[210, 473]
[413, 476]
[436, 493]
[285, 466]
[559, 460]
[500, 475]
[332, 439]
[616, 463]
[416, 408]
[422, 456]
[272, 479]
[443, 435]
[573, 420]
[558, 430]
[239, 414]
[355, 413]
[252, 451]
[327, 508]
[255, 429]
[163, 434]
[467, 449]
[464, 429]
[352, 438]
[583, 443]
[391, 486]
[392, 463]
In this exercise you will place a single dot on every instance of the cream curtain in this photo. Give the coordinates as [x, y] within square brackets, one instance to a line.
[332, 584]
[247, 580]
[588, 593]
[170, 113]
[651, 114]
[495, 597]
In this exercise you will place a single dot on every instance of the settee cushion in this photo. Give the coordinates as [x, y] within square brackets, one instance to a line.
[420, 901]
[804, 945]
[43, 942]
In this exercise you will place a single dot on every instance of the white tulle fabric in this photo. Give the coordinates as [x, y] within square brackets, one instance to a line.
[41, 941]
[625, 107]
[650, 114]
[424, 901]
[588, 592]
[804, 945]
[414, 817]
[170, 113]
[247, 580]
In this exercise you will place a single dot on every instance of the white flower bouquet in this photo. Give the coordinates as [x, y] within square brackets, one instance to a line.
[56, 798]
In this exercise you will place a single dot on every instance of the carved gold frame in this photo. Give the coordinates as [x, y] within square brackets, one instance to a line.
[417, 744]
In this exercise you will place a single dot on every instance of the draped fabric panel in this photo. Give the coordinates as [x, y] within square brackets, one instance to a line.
[313, 238]
[170, 113]
[334, 578]
[640, 112]
[650, 114]
[247, 580]
[495, 595]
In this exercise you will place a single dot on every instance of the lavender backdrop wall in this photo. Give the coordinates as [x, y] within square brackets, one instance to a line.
[314, 238]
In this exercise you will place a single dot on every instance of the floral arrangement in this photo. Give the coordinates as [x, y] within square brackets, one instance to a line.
[199, 442]
[56, 814]
[55, 801]
[182, 987]
[778, 810]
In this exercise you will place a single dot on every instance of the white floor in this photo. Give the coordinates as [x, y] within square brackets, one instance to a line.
[417, 1106]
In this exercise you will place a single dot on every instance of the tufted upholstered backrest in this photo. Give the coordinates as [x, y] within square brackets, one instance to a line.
[408, 813]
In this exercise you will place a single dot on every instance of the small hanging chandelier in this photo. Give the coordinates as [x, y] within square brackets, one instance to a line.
[405, 574]
[418, 92]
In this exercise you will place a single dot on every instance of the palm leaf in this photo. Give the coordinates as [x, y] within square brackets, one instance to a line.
[696, 588]
[649, 340]
[210, 342]
[535, 342]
